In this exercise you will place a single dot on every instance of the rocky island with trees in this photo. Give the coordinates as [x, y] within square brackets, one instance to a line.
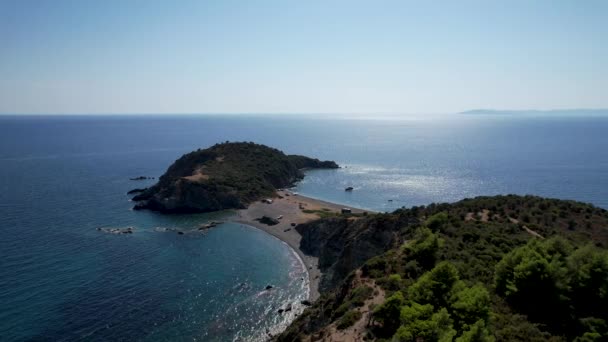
[229, 175]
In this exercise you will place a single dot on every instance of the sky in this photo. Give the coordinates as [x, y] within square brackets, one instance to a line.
[402, 57]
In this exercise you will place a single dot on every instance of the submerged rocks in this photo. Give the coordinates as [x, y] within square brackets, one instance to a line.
[136, 191]
[140, 178]
[287, 308]
[209, 225]
[127, 230]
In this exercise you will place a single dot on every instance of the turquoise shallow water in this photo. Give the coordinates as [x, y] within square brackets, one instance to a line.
[62, 177]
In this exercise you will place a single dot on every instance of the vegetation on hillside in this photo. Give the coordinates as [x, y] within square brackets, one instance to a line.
[224, 176]
[504, 268]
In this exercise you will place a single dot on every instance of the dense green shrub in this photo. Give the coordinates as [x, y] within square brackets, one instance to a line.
[375, 267]
[554, 284]
[348, 319]
[435, 286]
[393, 283]
[420, 323]
[588, 270]
[424, 248]
[437, 222]
[360, 294]
[471, 304]
[477, 332]
[388, 313]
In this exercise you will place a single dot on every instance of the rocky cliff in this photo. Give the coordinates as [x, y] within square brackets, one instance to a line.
[345, 243]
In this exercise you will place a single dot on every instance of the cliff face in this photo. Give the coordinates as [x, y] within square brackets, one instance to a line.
[344, 244]
[224, 176]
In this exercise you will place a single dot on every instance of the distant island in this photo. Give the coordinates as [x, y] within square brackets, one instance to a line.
[229, 175]
[532, 112]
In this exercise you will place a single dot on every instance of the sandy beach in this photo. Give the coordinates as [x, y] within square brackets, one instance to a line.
[293, 208]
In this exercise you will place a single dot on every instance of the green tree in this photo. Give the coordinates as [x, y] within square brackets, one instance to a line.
[588, 268]
[437, 222]
[419, 322]
[435, 286]
[595, 330]
[424, 248]
[533, 278]
[470, 305]
[388, 314]
[476, 332]
[393, 282]
[348, 319]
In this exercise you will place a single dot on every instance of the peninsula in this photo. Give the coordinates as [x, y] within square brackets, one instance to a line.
[484, 269]
[250, 178]
[229, 175]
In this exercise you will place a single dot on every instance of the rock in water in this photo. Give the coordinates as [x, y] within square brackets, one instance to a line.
[135, 191]
[141, 178]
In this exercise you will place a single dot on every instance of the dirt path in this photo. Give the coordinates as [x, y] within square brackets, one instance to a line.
[356, 332]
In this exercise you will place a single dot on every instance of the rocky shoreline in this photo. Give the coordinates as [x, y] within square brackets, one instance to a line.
[295, 210]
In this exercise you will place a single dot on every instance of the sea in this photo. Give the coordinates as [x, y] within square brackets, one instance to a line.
[63, 177]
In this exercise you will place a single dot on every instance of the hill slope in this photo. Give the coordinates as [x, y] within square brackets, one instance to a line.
[504, 268]
[225, 176]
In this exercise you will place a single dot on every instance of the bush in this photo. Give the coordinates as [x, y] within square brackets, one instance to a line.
[424, 248]
[555, 285]
[393, 282]
[349, 318]
[476, 333]
[375, 267]
[470, 305]
[437, 222]
[360, 294]
[588, 269]
[435, 286]
[420, 323]
[389, 312]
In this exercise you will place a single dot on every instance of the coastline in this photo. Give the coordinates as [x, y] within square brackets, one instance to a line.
[291, 207]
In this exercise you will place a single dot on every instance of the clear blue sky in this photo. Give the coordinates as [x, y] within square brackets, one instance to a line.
[226, 56]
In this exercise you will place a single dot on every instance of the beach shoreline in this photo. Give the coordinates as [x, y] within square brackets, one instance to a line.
[293, 209]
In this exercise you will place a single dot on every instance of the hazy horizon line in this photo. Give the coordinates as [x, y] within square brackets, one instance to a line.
[467, 111]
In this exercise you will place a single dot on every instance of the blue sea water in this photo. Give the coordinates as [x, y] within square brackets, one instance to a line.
[63, 177]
